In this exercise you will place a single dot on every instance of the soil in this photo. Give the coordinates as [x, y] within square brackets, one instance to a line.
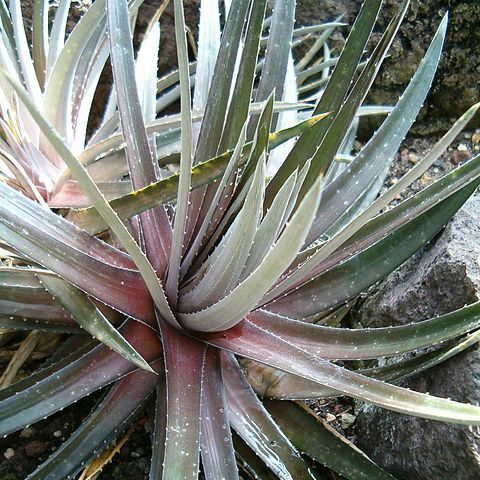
[34, 444]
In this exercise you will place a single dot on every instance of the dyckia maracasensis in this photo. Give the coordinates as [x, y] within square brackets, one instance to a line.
[269, 226]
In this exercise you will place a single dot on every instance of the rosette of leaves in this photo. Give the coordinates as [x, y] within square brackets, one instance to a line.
[178, 275]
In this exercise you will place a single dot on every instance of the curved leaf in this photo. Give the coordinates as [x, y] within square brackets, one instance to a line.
[317, 439]
[93, 266]
[252, 422]
[99, 367]
[248, 340]
[218, 455]
[92, 319]
[103, 426]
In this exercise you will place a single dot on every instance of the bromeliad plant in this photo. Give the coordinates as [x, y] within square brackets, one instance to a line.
[179, 275]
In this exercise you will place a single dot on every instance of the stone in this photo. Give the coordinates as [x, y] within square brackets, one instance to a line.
[28, 432]
[9, 453]
[457, 83]
[443, 277]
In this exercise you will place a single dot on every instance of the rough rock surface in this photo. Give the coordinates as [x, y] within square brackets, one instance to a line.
[441, 278]
[457, 84]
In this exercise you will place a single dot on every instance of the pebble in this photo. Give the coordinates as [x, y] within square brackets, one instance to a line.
[412, 158]
[330, 417]
[347, 420]
[27, 432]
[9, 453]
[462, 148]
[57, 433]
[459, 156]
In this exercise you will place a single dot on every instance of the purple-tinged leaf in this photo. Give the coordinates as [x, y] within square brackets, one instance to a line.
[216, 447]
[22, 295]
[159, 431]
[143, 168]
[183, 366]
[248, 340]
[86, 314]
[71, 195]
[70, 351]
[101, 428]
[252, 422]
[93, 266]
[273, 383]
[99, 367]
[355, 344]
[98, 200]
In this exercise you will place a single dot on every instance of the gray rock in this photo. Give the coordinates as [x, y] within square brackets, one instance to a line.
[441, 278]
[416, 449]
